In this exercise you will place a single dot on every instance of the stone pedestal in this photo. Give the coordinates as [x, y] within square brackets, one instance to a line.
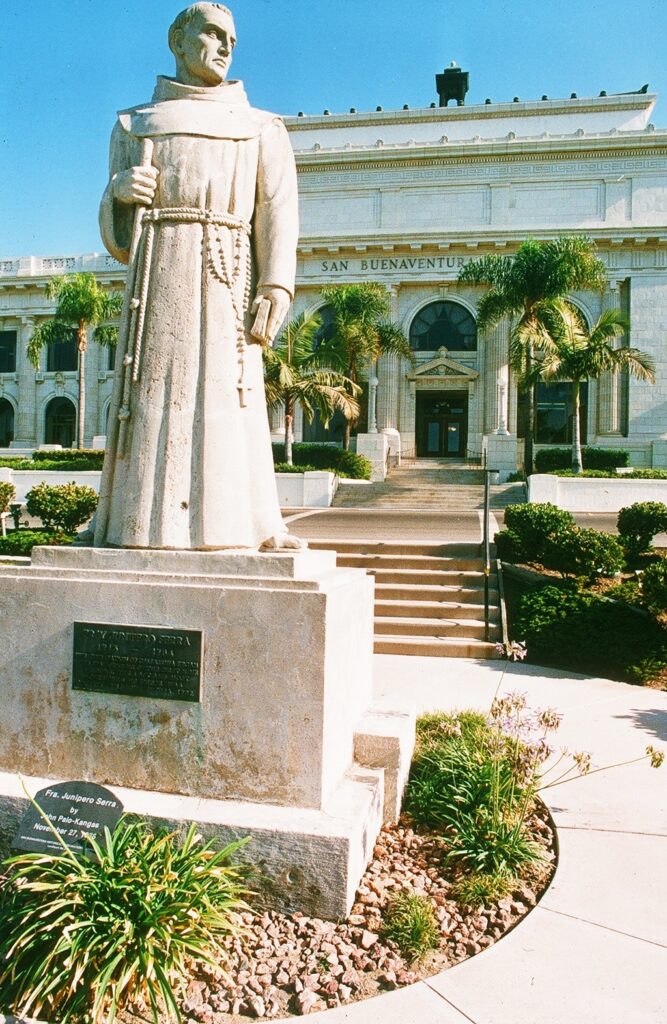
[286, 649]
[501, 454]
[376, 448]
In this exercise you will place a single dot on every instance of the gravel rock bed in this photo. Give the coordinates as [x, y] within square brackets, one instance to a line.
[293, 964]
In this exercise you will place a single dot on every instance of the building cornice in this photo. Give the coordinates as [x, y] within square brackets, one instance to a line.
[460, 241]
[578, 146]
[479, 111]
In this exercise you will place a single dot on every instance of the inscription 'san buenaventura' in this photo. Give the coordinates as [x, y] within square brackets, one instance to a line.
[137, 661]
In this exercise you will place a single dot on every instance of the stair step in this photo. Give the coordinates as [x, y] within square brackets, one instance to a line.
[424, 563]
[414, 592]
[408, 609]
[446, 550]
[443, 578]
[436, 628]
[451, 647]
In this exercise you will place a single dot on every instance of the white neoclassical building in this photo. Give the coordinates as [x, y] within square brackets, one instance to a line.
[406, 198]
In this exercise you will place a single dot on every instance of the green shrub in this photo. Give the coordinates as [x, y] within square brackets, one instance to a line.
[73, 455]
[584, 553]
[7, 495]
[508, 546]
[611, 474]
[628, 591]
[549, 459]
[653, 586]
[646, 474]
[479, 890]
[21, 542]
[469, 783]
[82, 937]
[326, 457]
[639, 523]
[284, 467]
[411, 923]
[533, 525]
[584, 632]
[62, 506]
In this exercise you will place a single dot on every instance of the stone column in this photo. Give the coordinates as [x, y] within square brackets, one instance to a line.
[496, 376]
[609, 387]
[372, 404]
[25, 428]
[389, 376]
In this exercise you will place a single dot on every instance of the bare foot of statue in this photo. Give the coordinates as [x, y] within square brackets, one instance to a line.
[283, 542]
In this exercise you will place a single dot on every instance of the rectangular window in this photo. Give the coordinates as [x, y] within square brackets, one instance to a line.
[7, 351]
[554, 413]
[63, 357]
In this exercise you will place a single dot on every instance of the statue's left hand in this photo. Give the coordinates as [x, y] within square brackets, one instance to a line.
[270, 308]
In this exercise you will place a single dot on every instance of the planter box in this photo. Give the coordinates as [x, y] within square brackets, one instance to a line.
[306, 490]
[295, 490]
[593, 494]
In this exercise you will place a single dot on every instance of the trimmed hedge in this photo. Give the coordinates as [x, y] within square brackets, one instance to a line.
[284, 467]
[610, 474]
[326, 457]
[21, 542]
[71, 455]
[653, 586]
[584, 553]
[548, 459]
[638, 525]
[530, 527]
[583, 632]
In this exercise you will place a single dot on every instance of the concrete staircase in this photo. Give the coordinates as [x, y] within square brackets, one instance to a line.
[429, 598]
[428, 484]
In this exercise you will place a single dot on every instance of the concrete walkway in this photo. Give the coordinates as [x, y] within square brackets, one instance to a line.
[595, 950]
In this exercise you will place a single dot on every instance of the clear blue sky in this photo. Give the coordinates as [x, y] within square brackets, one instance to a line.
[66, 67]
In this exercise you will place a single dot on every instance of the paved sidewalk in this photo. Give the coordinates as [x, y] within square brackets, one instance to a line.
[595, 950]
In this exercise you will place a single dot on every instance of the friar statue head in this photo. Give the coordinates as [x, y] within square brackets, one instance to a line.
[202, 38]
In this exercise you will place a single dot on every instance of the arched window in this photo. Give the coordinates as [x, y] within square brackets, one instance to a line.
[6, 423]
[443, 324]
[60, 422]
[63, 357]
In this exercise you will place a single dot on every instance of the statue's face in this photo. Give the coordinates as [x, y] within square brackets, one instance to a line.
[204, 48]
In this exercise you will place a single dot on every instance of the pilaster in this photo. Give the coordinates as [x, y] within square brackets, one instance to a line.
[389, 375]
[25, 428]
[609, 388]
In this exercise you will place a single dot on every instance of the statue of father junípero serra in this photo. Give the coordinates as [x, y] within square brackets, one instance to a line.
[202, 205]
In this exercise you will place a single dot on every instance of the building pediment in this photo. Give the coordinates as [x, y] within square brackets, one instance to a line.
[442, 367]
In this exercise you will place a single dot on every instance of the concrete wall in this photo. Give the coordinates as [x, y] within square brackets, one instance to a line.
[295, 490]
[593, 494]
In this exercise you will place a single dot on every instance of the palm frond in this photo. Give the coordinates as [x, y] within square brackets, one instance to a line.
[48, 332]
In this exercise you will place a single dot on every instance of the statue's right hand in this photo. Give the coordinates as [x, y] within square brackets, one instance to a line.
[136, 185]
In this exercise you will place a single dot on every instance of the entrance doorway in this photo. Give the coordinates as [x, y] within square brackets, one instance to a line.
[60, 422]
[442, 424]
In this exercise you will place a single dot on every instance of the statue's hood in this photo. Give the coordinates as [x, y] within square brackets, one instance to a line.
[216, 112]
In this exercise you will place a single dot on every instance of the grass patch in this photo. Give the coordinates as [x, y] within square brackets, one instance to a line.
[411, 923]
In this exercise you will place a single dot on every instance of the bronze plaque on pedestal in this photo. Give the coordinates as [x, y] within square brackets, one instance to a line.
[137, 661]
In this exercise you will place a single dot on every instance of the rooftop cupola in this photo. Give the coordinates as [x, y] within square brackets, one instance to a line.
[452, 84]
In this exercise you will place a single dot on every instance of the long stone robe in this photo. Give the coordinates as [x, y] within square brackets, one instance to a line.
[196, 468]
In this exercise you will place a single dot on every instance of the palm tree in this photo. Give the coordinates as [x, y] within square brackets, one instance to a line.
[579, 354]
[80, 303]
[361, 333]
[296, 374]
[527, 288]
